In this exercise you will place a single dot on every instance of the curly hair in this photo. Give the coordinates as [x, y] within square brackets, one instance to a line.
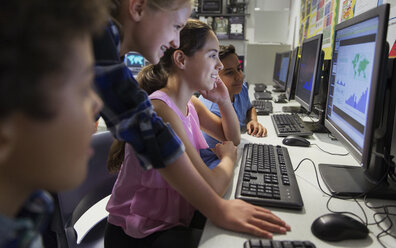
[34, 36]
[226, 50]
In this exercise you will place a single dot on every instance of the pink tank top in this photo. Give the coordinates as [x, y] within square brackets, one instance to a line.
[142, 202]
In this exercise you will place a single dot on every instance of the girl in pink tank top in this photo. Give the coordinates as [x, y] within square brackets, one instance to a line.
[142, 202]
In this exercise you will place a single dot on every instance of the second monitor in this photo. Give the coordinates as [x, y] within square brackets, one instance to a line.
[280, 71]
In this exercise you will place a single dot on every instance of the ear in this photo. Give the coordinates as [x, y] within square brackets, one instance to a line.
[136, 9]
[8, 137]
[179, 59]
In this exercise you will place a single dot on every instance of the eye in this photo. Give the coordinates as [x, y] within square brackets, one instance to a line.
[178, 27]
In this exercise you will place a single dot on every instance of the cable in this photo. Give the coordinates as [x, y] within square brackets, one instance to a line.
[316, 173]
[384, 231]
[331, 136]
[335, 154]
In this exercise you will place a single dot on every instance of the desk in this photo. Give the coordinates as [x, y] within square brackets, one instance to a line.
[314, 199]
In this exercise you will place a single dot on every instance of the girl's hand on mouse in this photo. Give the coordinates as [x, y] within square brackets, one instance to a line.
[218, 94]
[254, 128]
[227, 148]
[241, 216]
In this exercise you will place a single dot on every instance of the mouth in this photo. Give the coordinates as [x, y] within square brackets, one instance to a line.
[214, 76]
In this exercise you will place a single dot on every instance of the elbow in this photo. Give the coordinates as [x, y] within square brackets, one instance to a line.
[237, 141]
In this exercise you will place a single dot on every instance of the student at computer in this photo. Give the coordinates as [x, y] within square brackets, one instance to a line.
[193, 66]
[232, 76]
[150, 27]
[47, 108]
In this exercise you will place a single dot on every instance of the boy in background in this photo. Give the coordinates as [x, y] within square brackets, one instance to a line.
[47, 108]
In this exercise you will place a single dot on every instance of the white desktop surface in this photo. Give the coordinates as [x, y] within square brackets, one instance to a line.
[314, 199]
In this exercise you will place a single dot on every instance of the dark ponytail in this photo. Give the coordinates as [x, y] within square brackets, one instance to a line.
[152, 78]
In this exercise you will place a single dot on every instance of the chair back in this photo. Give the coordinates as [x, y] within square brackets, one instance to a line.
[71, 205]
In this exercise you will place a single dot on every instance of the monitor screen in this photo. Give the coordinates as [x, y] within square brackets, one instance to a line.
[309, 71]
[290, 84]
[277, 65]
[134, 61]
[284, 66]
[351, 80]
[354, 100]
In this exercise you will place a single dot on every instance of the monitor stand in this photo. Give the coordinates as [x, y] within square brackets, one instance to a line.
[318, 126]
[351, 181]
[277, 89]
[293, 109]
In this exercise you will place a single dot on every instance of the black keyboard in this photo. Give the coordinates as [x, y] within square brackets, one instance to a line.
[266, 177]
[265, 243]
[262, 95]
[262, 107]
[260, 87]
[288, 124]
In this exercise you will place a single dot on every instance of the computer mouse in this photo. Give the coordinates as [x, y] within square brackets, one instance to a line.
[338, 227]
[295, 140]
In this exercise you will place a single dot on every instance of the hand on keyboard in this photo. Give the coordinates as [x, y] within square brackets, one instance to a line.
[241, 216]
[254, 128]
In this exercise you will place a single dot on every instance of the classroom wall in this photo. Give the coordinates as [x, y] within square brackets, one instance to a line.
[259, 66]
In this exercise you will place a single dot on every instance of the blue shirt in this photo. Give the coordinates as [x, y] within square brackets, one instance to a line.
[241, 106]
[127, 111]
[25, 229]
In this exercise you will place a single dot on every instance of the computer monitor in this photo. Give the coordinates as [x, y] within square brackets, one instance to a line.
[277, 65]
[309, 71]
[360, 106]
[284, 66]
[291, 75]
[135, 62]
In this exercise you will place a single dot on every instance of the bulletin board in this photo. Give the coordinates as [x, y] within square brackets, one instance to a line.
[319, 16]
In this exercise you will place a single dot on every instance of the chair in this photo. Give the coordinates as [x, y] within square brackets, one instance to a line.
[71, 205]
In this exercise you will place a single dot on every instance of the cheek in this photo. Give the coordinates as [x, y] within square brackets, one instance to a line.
[62, 148]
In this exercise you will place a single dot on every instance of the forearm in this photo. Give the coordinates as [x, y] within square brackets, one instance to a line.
[223, 173]
[251, 115]
[229, 122]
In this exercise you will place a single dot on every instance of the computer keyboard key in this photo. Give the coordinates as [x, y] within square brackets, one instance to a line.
[265, 243]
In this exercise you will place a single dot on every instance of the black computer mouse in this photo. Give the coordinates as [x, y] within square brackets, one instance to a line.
[338, 227]
[295, 140]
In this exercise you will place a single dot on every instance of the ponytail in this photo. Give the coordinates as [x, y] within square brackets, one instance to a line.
[152, 78]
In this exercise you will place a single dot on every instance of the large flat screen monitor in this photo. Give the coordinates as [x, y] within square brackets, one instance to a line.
[355, 103]
[309, 71]
[291, 75]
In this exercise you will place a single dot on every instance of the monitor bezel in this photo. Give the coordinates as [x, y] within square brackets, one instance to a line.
[291, 72]
[363, 157]
[281, 84]
[317, 72]
[274, 78]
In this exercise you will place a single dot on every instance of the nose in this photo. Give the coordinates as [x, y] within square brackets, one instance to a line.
[240, 75]
[219, 65]
[175, 43]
